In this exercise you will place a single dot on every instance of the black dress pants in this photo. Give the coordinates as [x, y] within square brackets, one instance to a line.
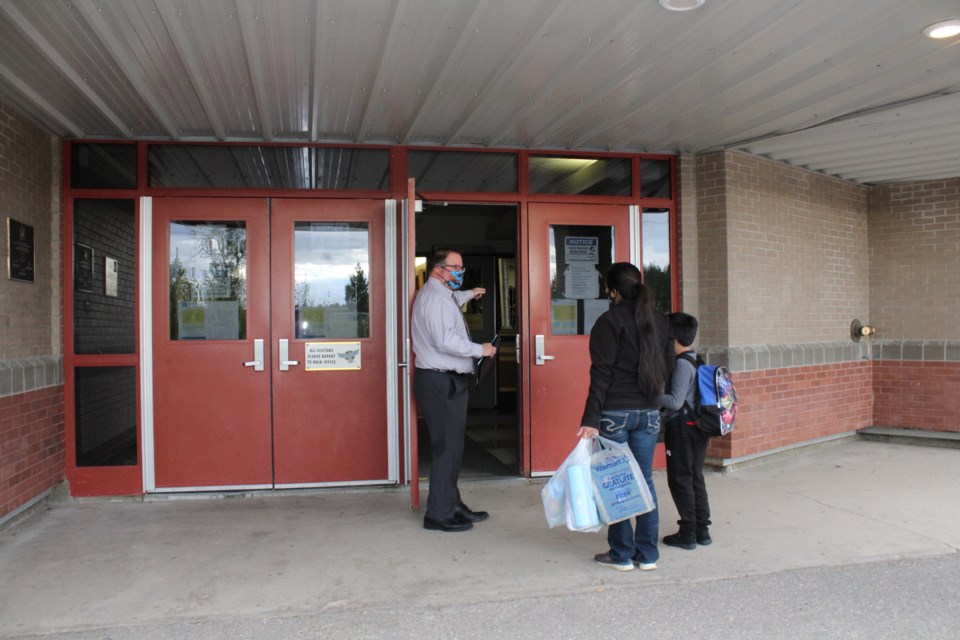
[686, 449]
[442, 401]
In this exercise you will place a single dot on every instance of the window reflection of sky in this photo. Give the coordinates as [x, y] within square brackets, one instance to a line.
[656, 237]
[326, 257]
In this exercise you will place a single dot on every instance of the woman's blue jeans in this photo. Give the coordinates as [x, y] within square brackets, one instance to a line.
[638, 429]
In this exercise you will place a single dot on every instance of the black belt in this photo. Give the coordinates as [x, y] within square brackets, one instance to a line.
[450, 373]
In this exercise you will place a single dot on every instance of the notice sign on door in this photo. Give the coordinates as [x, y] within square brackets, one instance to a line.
[331, 356]
[580, 276]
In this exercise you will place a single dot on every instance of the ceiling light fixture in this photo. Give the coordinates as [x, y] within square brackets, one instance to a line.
[945, 29]
[681, 5]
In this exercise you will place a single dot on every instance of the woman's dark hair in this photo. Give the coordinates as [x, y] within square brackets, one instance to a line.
[652, 372]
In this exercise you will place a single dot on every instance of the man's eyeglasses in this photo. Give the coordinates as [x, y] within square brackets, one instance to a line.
[452, 267]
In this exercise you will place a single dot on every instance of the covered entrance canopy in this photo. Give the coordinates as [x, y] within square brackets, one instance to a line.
[851, 89]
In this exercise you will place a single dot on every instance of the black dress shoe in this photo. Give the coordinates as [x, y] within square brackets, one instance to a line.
[465, 514]
[451, 524]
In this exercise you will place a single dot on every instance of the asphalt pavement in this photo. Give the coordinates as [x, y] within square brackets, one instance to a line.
[854, 539]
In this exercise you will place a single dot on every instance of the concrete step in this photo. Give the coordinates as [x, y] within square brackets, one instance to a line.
[920, 437]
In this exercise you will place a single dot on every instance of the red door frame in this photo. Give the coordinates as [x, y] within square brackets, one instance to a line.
[128, 480]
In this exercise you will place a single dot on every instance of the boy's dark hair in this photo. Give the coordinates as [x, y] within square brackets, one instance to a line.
[683, 327]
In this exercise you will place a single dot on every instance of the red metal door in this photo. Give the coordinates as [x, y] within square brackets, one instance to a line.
[570, 247]
[211, 392]
[328, 309]
[269, 343]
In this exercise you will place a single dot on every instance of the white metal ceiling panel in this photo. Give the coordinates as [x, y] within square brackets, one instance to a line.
[417, 45]
[348, 49]
[139, 44]
[848, 88]
[486, 43]
[206, 39]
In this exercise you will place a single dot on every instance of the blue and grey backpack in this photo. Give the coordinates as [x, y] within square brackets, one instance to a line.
[716, 397]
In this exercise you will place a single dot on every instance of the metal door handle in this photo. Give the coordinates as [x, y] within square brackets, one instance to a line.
[541, 356]
[285, 364]
[257, 362]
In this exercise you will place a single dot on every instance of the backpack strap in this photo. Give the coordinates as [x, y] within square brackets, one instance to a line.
[696, 362]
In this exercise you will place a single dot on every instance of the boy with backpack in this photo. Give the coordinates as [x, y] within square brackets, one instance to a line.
[686, 444]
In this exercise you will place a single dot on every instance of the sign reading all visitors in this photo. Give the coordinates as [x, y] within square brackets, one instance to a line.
[331, 356]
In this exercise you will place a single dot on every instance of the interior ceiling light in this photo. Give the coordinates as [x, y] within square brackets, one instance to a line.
[681, 5]
[945, 29]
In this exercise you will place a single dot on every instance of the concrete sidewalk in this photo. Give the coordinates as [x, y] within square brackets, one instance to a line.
[103, 564]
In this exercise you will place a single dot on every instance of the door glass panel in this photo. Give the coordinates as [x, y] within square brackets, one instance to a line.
[464, 171]
[106, 416]
[331, 288]
[103, 166]
[104, 276]
[656, 256]
[267, 167]
[208, 280]
[654, 178]
[565, 175]
[580, 255]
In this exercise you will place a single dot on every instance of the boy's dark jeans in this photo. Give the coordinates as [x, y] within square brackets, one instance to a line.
[686, 449]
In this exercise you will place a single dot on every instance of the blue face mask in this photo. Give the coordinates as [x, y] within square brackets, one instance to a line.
[456, 279]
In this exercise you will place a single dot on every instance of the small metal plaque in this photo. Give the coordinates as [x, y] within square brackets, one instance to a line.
[111, 276]
[83, 270]
[21, 251]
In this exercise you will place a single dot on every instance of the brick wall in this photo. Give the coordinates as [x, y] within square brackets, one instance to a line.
[711, 238]
[916, 394]
[26, 179]
[787, 406]
[783, 267]
[915, 304]
[31, 370]
[914, 273]
[797, 252]
[31, 445]
[787, 259]
[690, 265]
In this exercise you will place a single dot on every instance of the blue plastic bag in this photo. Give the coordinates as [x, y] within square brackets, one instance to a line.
[618, 484]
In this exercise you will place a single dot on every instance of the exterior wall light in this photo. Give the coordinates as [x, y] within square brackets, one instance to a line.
[945, 29]
[858, 331]
[681, 5]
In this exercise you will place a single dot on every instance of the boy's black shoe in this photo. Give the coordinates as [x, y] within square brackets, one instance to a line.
[677, 540]
[703, 537]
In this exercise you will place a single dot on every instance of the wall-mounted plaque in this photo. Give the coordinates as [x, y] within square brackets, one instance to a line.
[83, 269]
[21, 251]
[110, 276]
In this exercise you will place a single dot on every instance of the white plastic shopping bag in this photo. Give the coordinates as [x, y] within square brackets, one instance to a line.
[619, 487]
[568, 498]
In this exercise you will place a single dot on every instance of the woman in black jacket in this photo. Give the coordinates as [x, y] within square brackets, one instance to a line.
[630, 362]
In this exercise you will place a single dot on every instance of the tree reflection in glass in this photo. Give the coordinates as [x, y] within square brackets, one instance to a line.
[208, 280]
